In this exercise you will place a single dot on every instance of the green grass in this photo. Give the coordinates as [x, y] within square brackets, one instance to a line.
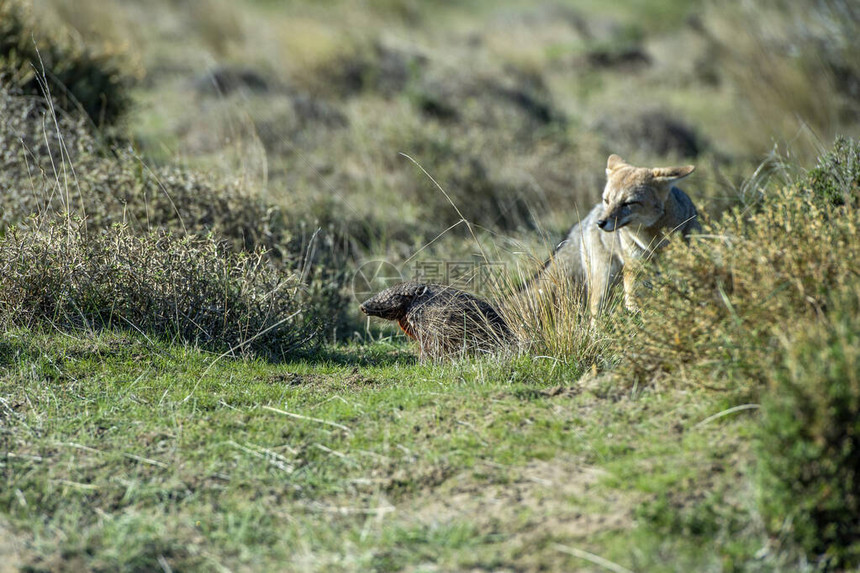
[120, 453]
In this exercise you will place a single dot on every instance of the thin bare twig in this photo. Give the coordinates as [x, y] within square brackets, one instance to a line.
[454, 205]
[591, 557]
[308, 418]
[718, 415]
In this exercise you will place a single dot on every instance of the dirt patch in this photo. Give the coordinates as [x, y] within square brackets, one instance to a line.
[291, 379]
[11, 550]
[534, 393]
[357, 380]
[352, 381]
[559, 499]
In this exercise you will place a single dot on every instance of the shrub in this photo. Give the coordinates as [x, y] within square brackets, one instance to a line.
[56, 274]
[719, 303]
[77, 76]
[809, 439]
[836, 178]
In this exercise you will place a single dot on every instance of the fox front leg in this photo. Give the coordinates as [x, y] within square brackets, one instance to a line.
[629, 278]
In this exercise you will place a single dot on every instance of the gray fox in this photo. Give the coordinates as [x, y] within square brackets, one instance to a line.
[641, 207]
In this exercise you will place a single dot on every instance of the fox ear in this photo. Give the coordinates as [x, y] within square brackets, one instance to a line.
[613, 163]
[671, 174]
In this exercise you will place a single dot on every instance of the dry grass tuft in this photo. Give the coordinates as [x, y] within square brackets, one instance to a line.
[720, 302]
[549, 318]
[58, 275]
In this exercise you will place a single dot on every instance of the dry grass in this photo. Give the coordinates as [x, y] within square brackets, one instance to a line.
[57, 275]
[550, 318]
[792, 67]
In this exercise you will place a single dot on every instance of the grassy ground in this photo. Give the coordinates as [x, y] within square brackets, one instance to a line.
[253, 162]
[122, 454]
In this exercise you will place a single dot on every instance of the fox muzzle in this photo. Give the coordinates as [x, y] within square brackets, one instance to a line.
[610, 225]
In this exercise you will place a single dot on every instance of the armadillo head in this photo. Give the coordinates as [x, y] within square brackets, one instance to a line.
[393, 302]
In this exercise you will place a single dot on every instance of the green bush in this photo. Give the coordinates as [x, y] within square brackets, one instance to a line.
[77, 75]
[836, 178]
[809, 440]
[56, 274]
[765, 304]
[719, 303]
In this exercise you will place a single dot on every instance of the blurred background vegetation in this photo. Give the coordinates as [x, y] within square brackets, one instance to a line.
[511, 106]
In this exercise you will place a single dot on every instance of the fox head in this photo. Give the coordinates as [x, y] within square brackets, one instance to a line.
[636, 194]
[392, 303]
